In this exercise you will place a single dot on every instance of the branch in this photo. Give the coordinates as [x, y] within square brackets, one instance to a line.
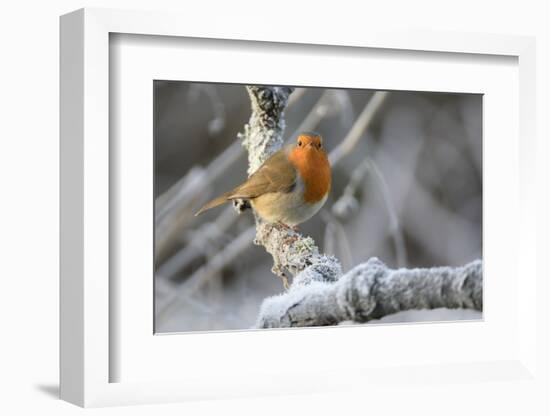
[372, 291]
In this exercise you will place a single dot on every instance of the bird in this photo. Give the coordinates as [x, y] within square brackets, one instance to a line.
[290, 187]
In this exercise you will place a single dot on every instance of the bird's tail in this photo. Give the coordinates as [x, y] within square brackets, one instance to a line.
[215, 202]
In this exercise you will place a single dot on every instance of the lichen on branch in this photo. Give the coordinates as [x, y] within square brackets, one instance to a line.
[263, 135]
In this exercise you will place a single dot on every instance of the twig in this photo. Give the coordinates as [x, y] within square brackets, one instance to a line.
[359, 127]
[347, 204]
[395, 229]
[335, 240]
[319, 111]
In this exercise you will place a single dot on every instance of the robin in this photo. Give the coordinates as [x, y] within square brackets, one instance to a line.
[289, 187]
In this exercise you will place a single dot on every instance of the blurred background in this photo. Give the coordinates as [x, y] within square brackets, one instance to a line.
[409, 192]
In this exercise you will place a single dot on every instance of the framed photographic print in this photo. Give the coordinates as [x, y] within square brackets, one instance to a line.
[294, 199]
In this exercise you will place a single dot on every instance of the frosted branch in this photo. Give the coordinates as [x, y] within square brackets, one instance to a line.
[263, 135]
[371, 291]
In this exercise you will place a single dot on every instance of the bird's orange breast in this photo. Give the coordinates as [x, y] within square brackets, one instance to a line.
[314, 169]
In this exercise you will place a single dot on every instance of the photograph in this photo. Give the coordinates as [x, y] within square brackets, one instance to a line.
[283, 206]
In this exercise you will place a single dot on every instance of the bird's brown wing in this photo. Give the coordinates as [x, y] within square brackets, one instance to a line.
[277, 174]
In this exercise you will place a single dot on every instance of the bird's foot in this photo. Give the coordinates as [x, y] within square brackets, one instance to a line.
[286, 285]
[287, 227]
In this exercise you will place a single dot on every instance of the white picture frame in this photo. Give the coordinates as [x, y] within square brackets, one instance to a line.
[87, 304]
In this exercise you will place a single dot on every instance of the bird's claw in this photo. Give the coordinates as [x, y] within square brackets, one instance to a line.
[287, 227]
[286, 285]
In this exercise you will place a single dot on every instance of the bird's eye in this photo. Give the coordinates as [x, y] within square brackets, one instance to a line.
[299, 142]
[319, 145]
